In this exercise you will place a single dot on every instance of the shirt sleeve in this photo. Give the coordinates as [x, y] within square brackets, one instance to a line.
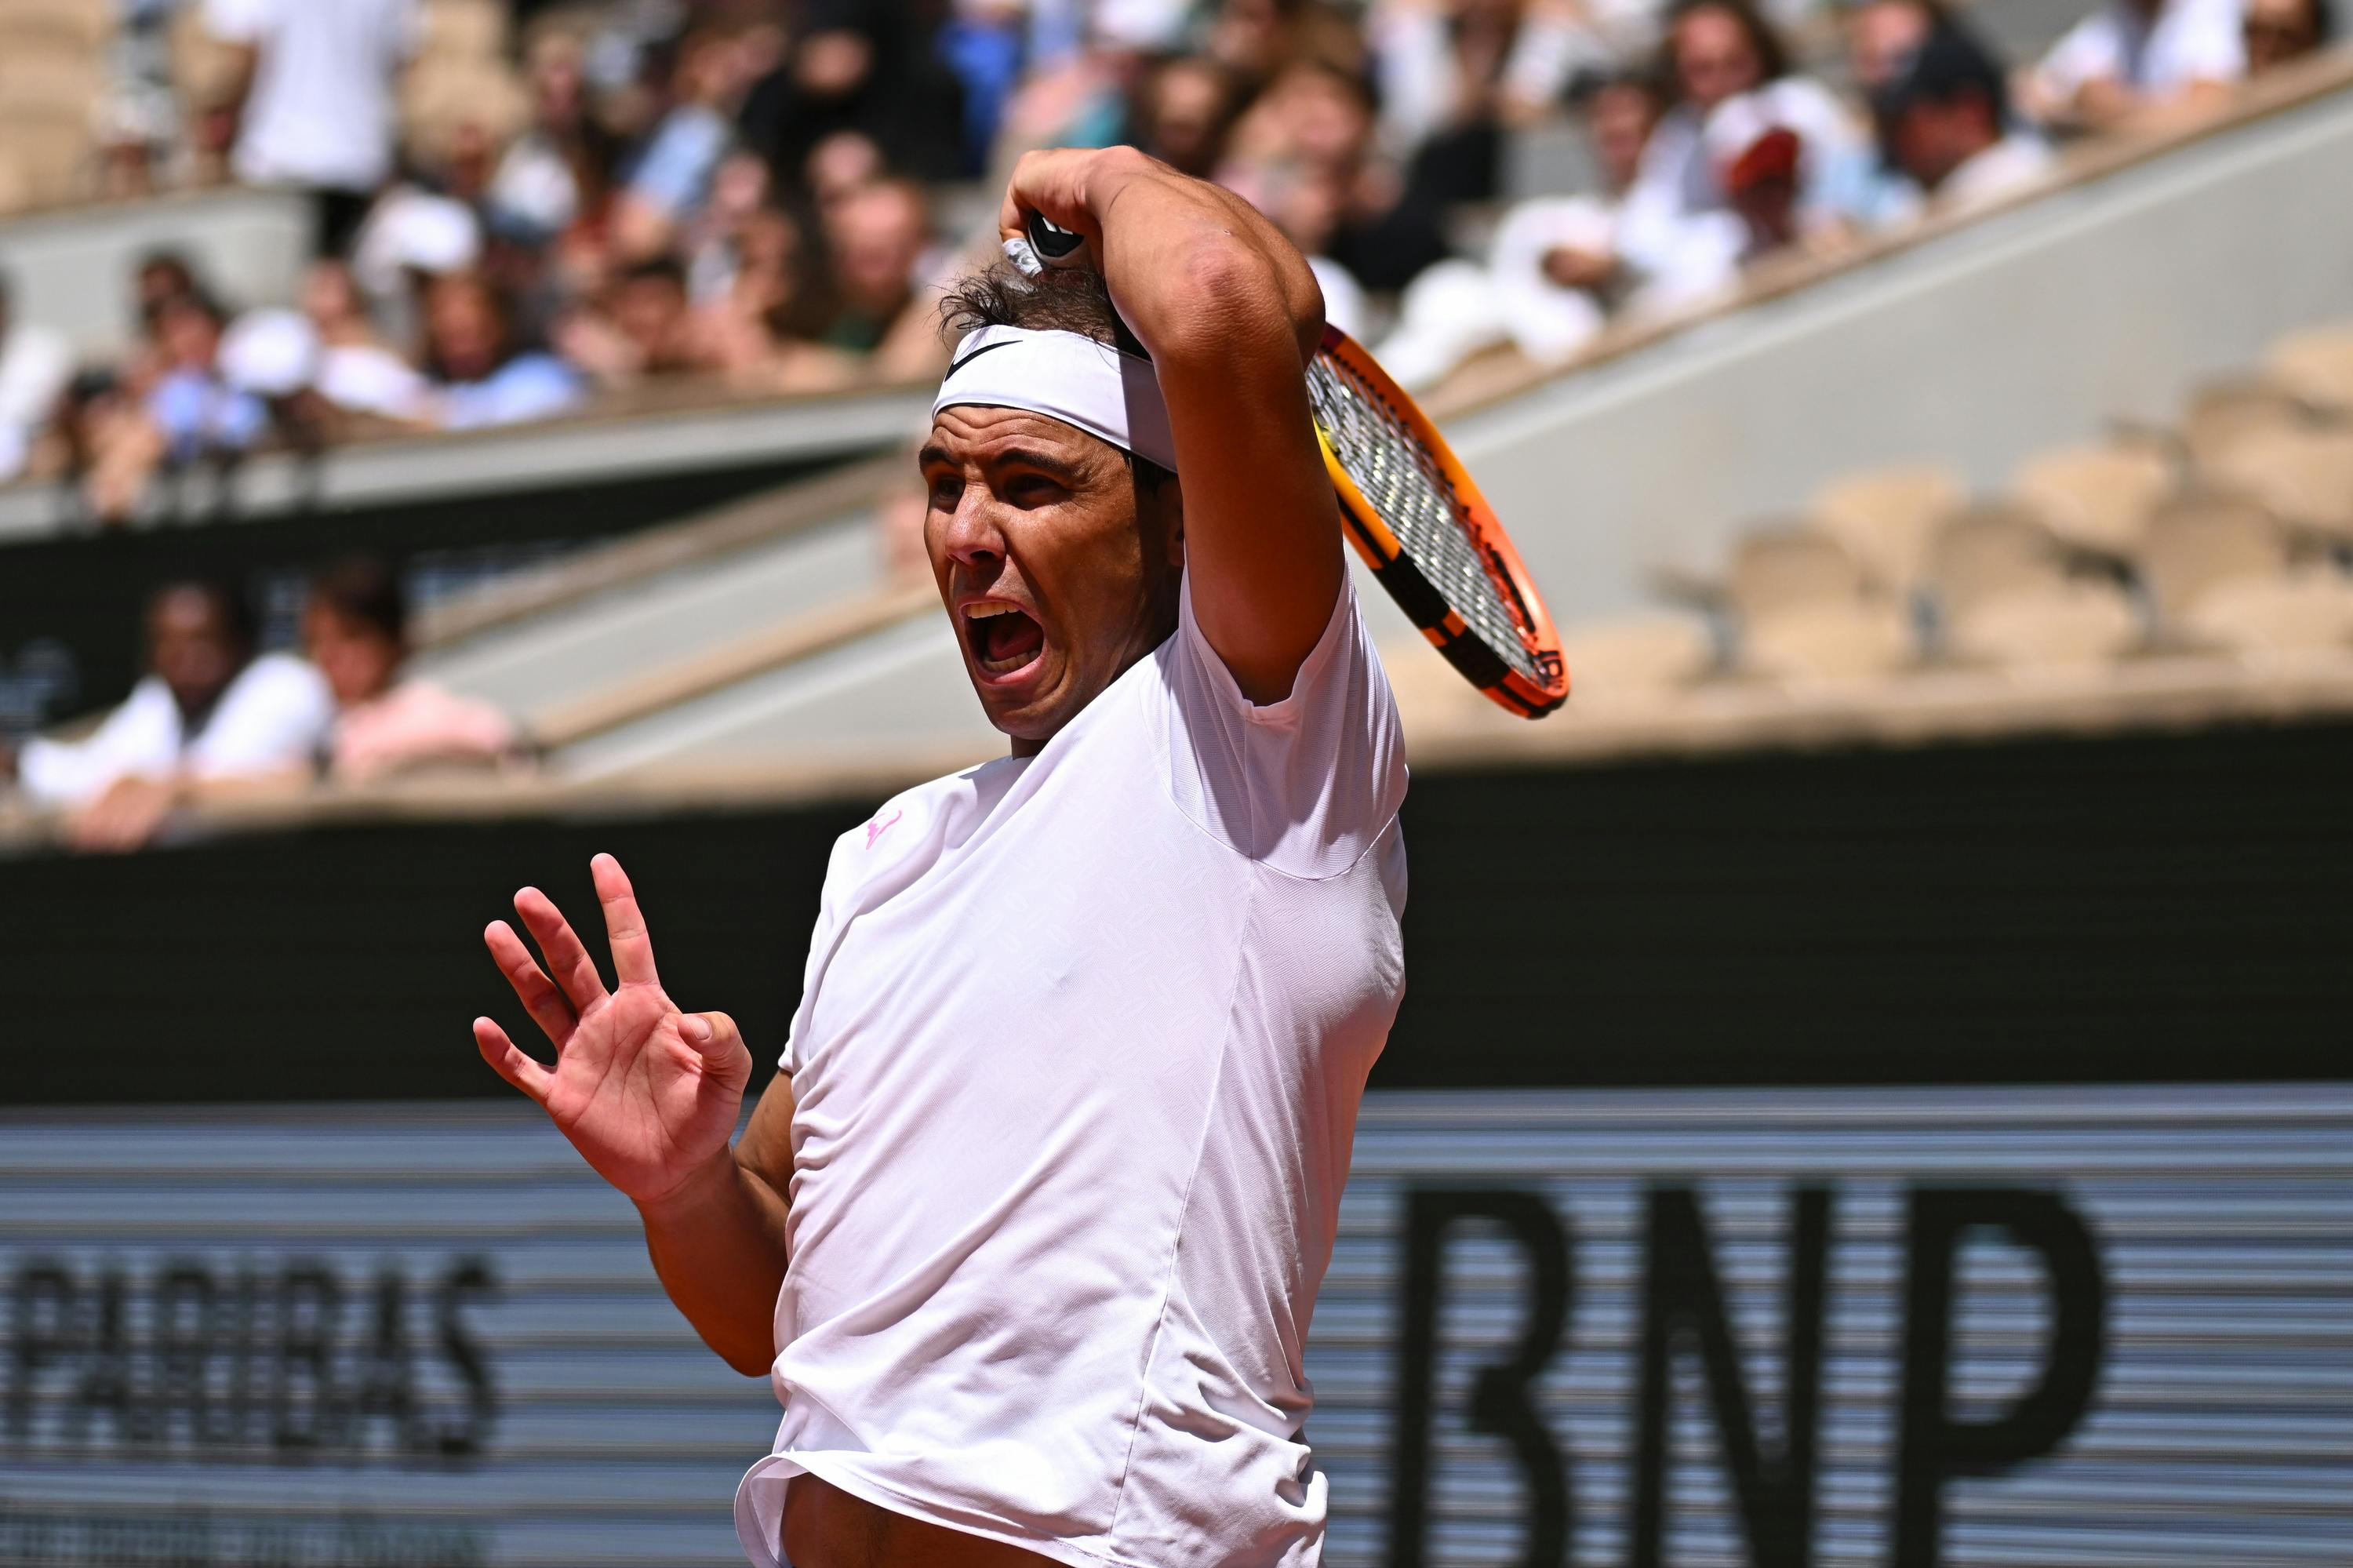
[237, 21]
[1304, 785]
[2088, 52]
[2209, 44]
[274, 715]
[141, 736]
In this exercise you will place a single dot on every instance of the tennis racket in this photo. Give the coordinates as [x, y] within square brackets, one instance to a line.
[1415, 518]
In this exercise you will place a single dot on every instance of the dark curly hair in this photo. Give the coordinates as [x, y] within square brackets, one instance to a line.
[1061, 299]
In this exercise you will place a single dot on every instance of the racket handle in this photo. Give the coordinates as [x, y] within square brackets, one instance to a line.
[1055, 246]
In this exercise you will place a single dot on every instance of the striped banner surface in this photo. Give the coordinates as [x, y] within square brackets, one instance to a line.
[2003, 1327]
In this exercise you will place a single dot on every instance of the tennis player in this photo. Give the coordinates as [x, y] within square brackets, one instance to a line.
[1028, 1231]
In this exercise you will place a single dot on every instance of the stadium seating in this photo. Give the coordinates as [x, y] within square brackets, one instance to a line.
[2228, 533]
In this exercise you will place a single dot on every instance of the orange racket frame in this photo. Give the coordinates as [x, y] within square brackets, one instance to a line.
[1384, 554]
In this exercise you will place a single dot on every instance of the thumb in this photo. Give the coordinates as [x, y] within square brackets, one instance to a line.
[714, 1037]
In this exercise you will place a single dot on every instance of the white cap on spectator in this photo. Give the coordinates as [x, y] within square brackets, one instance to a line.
[269, 353]
[1147, 25]
[413, 229]
[1738, 125]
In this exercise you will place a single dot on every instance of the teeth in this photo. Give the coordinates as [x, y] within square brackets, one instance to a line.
[983, 611]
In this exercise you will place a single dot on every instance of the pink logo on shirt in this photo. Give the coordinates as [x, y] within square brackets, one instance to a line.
[881, 825]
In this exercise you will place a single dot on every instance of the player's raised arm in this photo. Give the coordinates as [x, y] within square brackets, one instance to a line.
[1230, 314]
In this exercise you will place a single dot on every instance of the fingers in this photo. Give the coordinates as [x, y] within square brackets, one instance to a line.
[568, 964]
[537, 993]
[1051, 182]
[625, 926]
[530, 1076]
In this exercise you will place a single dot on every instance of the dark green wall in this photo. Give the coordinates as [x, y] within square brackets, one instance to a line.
[2166, 907]
[86, 592]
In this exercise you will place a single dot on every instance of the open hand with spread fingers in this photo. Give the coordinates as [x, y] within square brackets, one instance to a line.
[648, 1094]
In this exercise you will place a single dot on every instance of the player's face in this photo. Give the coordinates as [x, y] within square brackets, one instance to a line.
[1057, 576]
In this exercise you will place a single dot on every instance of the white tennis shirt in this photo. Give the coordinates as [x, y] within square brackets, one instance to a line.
[1076, 1071]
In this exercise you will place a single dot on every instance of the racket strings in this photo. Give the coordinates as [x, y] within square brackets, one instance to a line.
[1398, 477]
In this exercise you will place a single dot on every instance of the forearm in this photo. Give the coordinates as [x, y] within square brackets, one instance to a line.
[718, 1245]
[1191, 264]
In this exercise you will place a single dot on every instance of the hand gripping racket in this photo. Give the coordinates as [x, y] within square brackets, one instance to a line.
[1415, 518]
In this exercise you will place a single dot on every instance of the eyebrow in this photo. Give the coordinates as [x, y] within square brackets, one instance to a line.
[1027, 457]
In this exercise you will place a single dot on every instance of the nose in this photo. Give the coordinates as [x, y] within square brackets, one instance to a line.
[970, 536]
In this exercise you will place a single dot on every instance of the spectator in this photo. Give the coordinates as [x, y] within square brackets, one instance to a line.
[2278, 31]
[209, 712]
[1307, 147]
[357, 373]
[770, 310]
[1717, 50]
[195, 409]
[1453, 73]
[1557, 266]
[671, 177]
[1182, 112]
[1881, 37]
[869, 66]
[884, 280]
[2135, 55]
[1948, 127]
[558, 170]
[1257, 40]
[641, 328]
[1762, 161]
[36, 363]
[481, 376]
[313, 97]
[355, 631]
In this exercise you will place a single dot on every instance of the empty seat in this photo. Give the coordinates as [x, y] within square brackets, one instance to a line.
[1639, 655]
[2304, 611]
[2000, 579]
[48, 81]
[1830, 641]
[2055, 625]
[1779, 569]
[1987, 552]
[2223, 412]
[49, 151]
[2096, 497]
[2303, 473]
[2197, 544]
[2316, 365]
[84, 25]
[1886, 516]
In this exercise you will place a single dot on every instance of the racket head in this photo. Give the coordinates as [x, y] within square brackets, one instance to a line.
[1425, 533]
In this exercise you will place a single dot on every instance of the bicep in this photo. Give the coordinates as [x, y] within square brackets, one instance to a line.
[765, 1149]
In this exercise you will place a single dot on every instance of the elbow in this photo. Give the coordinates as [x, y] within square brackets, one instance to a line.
[1237, 295]
[749, 1361]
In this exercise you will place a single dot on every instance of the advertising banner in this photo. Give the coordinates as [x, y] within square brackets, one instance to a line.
[1907, 1327]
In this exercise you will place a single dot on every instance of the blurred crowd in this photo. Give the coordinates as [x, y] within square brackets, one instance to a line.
[216, 718]
[523, 207]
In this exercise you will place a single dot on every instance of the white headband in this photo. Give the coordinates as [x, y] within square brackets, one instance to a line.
[1064, 376]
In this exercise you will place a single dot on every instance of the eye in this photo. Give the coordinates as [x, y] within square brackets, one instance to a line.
[945, 489]
[1031, 490]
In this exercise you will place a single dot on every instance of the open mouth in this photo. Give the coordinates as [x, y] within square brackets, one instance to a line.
[1003, 638]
